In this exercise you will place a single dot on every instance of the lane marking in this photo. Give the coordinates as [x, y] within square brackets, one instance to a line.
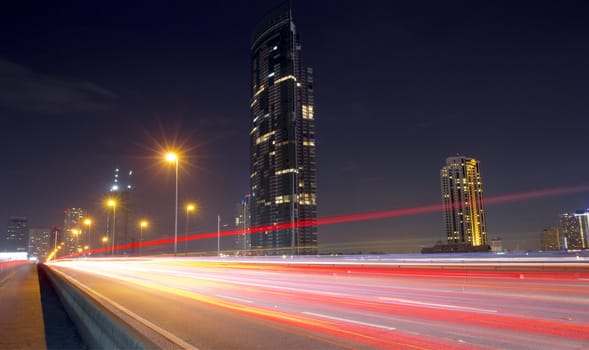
[234, 298]
[349, 321]
[446, 306]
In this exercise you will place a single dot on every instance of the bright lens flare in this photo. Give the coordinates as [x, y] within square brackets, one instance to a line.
[171, 157]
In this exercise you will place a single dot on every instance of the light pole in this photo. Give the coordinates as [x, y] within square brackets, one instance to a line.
[55, 242]
[189, 207]
[218, 235]
[112, 203]
[143, 224]
[173, 157]
[88, 223]
[104, 240]
[76, 233]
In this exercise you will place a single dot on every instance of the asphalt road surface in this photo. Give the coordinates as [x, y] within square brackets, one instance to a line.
[220, 304]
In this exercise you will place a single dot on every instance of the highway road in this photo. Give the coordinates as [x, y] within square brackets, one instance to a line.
[256, 304]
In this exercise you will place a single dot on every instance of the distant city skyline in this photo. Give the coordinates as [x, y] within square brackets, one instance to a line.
[399, 87]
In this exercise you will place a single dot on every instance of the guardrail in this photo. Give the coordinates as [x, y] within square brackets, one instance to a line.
[104, 324]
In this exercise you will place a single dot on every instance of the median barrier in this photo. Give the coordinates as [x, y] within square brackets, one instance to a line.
[103, 324]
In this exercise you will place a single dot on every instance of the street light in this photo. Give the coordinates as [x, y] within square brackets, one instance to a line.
[173, 157]
[112, 203]
[189, 207]
[143, 224]
[88, 223]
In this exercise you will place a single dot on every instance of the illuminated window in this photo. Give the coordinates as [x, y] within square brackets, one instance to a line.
[262, 88]
[308, 112]
[285, 171]
[264, 137]
[282, 199]
[278, 81]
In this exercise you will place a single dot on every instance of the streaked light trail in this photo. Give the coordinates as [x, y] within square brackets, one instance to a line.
[426, 209]
[347, 305]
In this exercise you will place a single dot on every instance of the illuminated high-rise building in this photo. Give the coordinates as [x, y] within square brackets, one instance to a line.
[462, 197]
[283, 180]
[73, 223]
[16, 238]
[120, 191]
[242, 224]
[575, 229]
[40, 243]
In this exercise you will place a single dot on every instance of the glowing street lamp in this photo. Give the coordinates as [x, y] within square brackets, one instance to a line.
[143, 224]
[112, 203]
[189, 208]
[173, 157]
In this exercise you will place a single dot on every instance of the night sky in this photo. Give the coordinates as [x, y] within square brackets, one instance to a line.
[399, 86]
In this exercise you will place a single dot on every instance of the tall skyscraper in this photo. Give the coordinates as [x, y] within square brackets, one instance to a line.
[243, 241]
[120, 191]
[575, 229]
[462, 197]
[283, 169]
[16, 238]
[72, 230]
[40, 243]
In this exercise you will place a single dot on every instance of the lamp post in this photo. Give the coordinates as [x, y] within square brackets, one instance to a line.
[55, 241]
[143, 224]
[88, 223]
[173, 157]
[104, 240]
[112, 203]
[189, 207]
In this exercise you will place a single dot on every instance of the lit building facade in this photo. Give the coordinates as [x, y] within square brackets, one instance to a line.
[283, 169]
[462, 197]
[40, 242]
[243, 241]
[550, 239]
[575, 230]
[16, 237]
[120, 190]
[72, 230]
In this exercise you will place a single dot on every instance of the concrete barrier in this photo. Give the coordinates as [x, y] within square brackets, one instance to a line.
[103, 324]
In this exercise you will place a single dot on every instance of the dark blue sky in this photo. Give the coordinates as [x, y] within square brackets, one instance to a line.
[399, 87]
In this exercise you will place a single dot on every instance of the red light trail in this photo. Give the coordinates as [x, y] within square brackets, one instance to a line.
[351, 306]
[426, 209]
